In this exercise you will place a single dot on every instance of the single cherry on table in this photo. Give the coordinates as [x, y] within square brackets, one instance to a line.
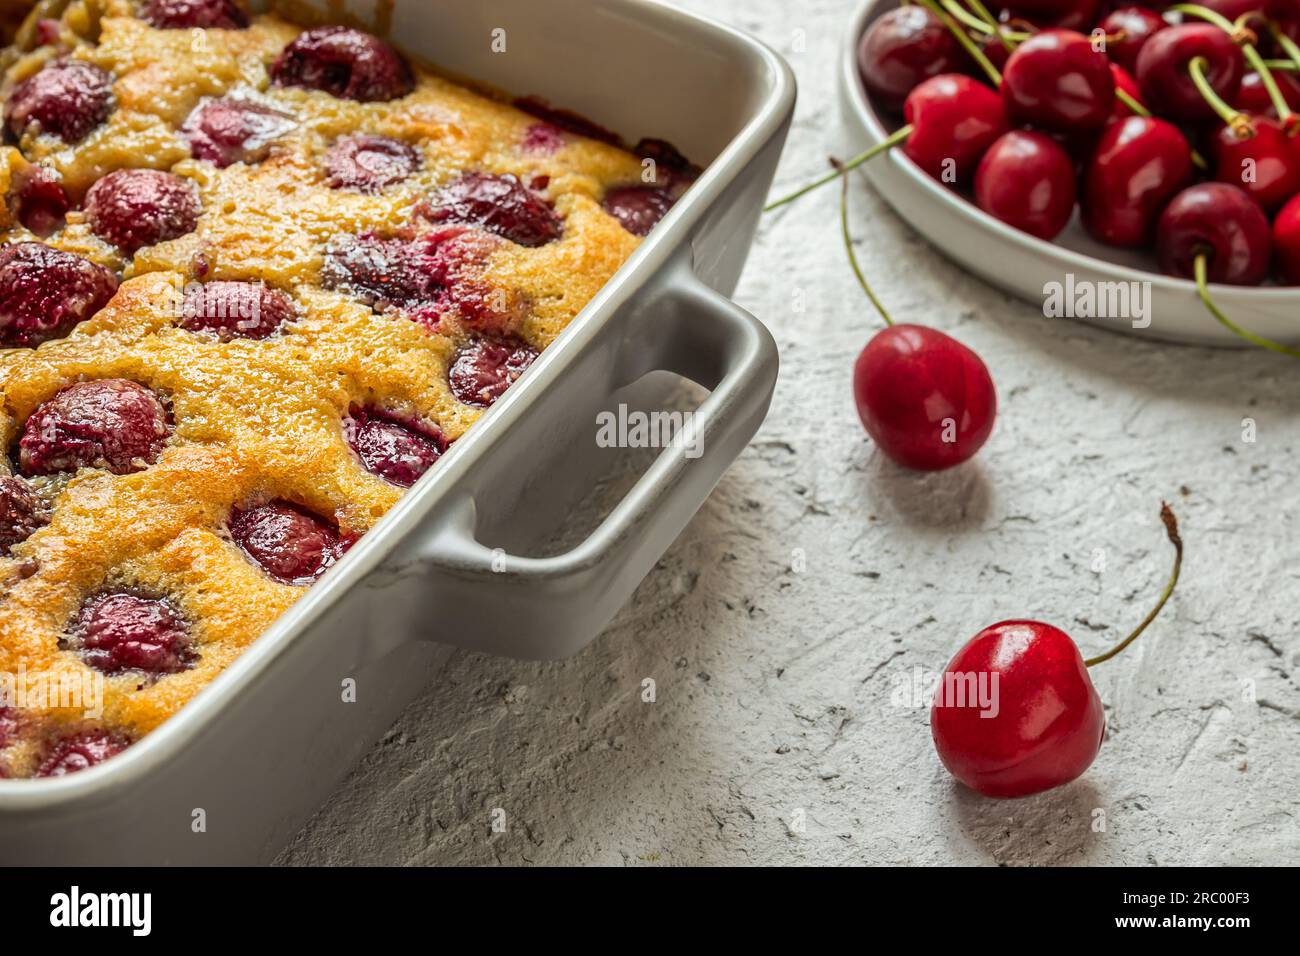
[1016, 712]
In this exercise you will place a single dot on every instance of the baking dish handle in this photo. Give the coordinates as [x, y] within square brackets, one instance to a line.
[551, 607]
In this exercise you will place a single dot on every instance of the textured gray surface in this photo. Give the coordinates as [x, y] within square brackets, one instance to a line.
[780, 730]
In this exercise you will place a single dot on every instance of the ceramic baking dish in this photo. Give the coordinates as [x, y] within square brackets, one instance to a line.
[234, 774]
[1025, 266]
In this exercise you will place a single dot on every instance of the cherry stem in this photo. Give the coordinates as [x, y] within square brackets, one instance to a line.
[848, 243]
[885, 144]
[1128, 100]
[1201, 270]
[1288, 46]
[1171, 529]
[1205, 13]
[976, 53]
[1260, 66]
[965, 16]
[1237, 121]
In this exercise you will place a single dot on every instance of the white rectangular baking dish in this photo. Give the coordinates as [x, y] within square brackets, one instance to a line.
[231, 777]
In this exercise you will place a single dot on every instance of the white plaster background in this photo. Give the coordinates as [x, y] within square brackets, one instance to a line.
[774, 687]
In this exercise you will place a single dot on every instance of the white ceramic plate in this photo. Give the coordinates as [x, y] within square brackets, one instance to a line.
[1073, 266]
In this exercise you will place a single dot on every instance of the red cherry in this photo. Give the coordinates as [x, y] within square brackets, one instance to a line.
[39, 199]
[1027, 180]
[123, 632]
[1222, 223]
[1265, 165]
[1138, 164]
[110, 423]
[1252, 96]
[133, 208]
[1131, 28]
[1056, 81]
[44, 292]
[923, 397]
[396, 449]
[953, 120]
[291, 544]
[369, 163]
[1165, 78]
[1016, 712]
[79, 751]
[1286, 241]
[233, 131]
[191, 14]
[67, 98]
[903, 48]
[1037, 721]
[21, 513]
[500, 204]
[638, 208]
[1062, 14]
[345, 63]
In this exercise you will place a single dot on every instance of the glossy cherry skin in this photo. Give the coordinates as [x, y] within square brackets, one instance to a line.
[901, 50]
[954, 119]
[1039, 723]
[1252, 95]
[1138, 164]
[1131, 27]
[1286, 242]
[1162, 70]
[1026, 179]
[927, 400]
[1063, 14]
[1056, 81]
[1221, 221]
[1266, 165]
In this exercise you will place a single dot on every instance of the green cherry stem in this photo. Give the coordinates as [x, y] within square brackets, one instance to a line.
[1171, 529]
[1260, 65]
[848, 243]
[1289, 47]
[885, 144]
[1205, 13]
[1201, 269]
[1237, 121]
[960, 13]
[983, 13]
[967, 43]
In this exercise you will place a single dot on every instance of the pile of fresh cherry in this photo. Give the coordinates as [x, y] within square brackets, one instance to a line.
[1120, 121]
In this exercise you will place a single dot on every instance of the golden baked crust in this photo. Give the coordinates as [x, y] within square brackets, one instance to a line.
[253, 420]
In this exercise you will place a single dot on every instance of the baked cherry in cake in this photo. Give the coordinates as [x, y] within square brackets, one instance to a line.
[21, 513]
[420, 276]
[343, 62]
[231, 310]
[79, 751]
[45, 292]
[288, 542]
[500, 204]
[396, 450]
[368, 163]
[230, 131]
[125, 632]
[67, 99]
[484, 368]
[292, 242]
[189, 14]
[39, 200]
[133, 208]
[107, 423]
[638, 208]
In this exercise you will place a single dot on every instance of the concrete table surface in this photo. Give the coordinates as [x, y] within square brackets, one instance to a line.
[787, 627]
